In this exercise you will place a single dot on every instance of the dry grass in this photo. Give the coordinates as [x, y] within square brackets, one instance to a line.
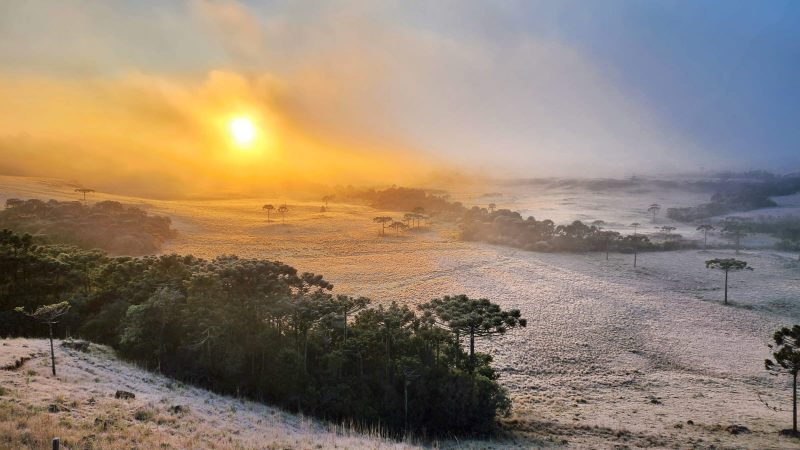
[79, 407]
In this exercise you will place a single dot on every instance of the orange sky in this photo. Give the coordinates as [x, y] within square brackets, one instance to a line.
[173, 135]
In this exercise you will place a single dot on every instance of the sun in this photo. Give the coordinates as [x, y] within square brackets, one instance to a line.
[242, 130]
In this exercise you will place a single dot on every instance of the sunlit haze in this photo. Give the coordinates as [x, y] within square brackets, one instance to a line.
[384, 92]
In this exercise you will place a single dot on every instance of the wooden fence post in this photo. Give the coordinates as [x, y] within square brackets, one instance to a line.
[56, 444]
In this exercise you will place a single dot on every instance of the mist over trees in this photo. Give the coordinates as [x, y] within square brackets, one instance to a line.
[734, 192]
[106, 225]
[407, 199]
[505, 227]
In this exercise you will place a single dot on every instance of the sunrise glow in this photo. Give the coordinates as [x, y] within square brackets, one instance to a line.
[242, 132]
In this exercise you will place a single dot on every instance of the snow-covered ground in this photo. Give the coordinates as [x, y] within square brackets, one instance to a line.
[612, 355]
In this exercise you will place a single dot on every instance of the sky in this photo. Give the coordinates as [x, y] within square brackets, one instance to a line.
[137, 95]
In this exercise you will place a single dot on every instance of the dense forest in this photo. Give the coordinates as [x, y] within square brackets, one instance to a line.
[261, 329]
[106, 225]
[407, 199]
[505, 227]
[738, 192]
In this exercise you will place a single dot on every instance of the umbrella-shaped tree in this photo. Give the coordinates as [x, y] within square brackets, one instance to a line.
[472, 318]
[268, 209]
[654, 209]
[786, 355]
[727, 265]
[84, 191]
[283, 209]
[705, 228]
[48, 314]
[383, 220]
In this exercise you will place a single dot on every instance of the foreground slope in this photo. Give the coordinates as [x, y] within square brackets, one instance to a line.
[80, 407]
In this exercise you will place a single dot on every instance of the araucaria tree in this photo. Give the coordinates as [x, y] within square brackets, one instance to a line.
[48, 314]
[727, 265]
[283, 209]
[635, 226]
[398, 226]
[635, 240]
[608, 236]
[383, 220]
[467, 317]
[268, 209]
[786, 355]
[735, 228]
[705, 228]
[654, 209]
[84, 191]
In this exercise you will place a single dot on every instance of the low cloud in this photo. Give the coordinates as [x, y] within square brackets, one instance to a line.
[351, 93]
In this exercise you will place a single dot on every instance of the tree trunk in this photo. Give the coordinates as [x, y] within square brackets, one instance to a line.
[794, 402]
[471, 350]
[634, 258]
[705, 240]
[726, 287]
[345, 326]
[52, 352]
[405, 401]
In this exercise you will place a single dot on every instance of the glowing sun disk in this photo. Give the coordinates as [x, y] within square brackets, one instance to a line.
[242, 130]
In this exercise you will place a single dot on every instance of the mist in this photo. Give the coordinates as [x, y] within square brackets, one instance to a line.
[343, 93]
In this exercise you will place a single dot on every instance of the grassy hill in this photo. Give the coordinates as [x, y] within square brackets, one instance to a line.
[79, 407]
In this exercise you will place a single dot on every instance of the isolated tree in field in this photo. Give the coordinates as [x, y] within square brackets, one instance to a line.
[608, 236]
[727, 265]
[786, 355]
[636, 241]
[398, 226]
[654, 209]
[472, 318]
[492, 207]
[383, 220]
[48, 314]
[635, 226]
[84, 191]
[705, 228]
[283, 209]
[735, 228]
[268, 209]
[328, 198]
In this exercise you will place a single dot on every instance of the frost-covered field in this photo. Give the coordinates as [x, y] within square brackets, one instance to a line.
[612, 355]
[79, 407]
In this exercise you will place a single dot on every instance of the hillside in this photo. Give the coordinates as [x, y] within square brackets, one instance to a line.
[79, 407]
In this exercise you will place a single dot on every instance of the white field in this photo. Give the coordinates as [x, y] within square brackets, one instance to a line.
[612, 355]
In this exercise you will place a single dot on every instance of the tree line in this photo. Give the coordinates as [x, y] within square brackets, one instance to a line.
[106, 225]
[261, 329]
[505, 227]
